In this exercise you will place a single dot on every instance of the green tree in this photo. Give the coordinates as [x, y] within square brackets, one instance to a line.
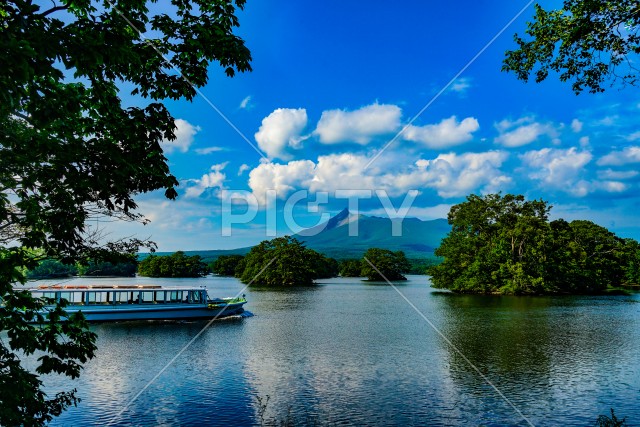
[631, 254]
[350, 268]
[390, 264]
[70, 151]
[105, 268]
[177, 264]
[496, 245]
[226, 265]
[325, 267]
[51, 268]
[504, 244]
[589, 43]
[281, 262]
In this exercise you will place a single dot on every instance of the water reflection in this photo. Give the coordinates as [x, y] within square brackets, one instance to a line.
[549, 355]
[347, 352]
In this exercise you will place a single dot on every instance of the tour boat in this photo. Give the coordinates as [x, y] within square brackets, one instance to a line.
[100, 303]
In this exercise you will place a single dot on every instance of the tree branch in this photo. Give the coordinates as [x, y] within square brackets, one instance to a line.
[52, 10]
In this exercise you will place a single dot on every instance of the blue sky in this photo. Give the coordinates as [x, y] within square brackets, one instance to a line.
[334, 82]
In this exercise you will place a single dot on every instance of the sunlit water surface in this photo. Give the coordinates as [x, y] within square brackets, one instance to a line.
[348, 352]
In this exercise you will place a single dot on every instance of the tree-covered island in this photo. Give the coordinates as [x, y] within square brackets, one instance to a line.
[285, 262]
[177, 264]
[507, 245]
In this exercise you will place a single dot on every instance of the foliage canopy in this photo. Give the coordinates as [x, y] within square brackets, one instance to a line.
[71, 152]
[175, 265]
[228, 265]
[390, 264]
[285, 261]
[587, 42]
[505, 244]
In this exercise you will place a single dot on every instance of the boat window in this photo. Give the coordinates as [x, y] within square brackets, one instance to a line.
[74, 298]
[66, 296]
[47, 295]
[195, 296]
[175, 296]
[121, 297]
[97, 297]
[159, 296]
[91, 297]
[147, 297]
[134, 297]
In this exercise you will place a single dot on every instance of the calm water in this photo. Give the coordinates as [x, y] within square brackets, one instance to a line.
[348, 352]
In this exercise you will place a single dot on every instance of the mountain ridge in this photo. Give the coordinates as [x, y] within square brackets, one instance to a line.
[418, 239]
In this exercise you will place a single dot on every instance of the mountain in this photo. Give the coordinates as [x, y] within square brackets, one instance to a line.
[418, 239]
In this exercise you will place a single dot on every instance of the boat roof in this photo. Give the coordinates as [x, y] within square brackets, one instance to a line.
[103, 287]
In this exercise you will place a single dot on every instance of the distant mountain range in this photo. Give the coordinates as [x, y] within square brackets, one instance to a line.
[418, 239]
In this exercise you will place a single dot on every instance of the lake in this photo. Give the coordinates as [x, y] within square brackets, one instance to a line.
[348, 352]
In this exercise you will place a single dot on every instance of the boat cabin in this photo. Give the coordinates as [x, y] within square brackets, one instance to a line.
[118, 294]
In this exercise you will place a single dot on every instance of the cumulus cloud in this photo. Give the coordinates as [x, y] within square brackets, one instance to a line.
[624, 157]
[280, 130]
[243, 168]
[454, 175]
[451, 175]
[576, 125]
[522, 132]
[358, 126]
[184, 132]
[448, 133]
[559, 169]
[213, 179]
[283, 178]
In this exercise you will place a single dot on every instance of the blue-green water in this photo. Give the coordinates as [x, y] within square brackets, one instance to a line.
[347, 352]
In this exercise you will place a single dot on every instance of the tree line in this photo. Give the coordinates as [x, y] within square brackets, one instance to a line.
[285, 261]
[52, 268]
[508, 245]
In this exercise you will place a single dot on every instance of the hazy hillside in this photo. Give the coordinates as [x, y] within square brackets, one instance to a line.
[418, 238]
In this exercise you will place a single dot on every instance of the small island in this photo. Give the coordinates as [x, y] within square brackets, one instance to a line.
[507, 245]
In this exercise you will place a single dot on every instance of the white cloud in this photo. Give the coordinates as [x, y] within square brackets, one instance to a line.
[184, 132]
[461, 85]
[243, 168]
[280, 130]
[448, 133]
[208, 150]
[610, 174]
[624, 157]
[608, 120]
[634, 136]
[611, 186]
[522, 132]
[584, 142]
[213, 179]
[245, 102]
[559, 169]
[451, 175]
[576, 125]
[358, 126]
[283, 178]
